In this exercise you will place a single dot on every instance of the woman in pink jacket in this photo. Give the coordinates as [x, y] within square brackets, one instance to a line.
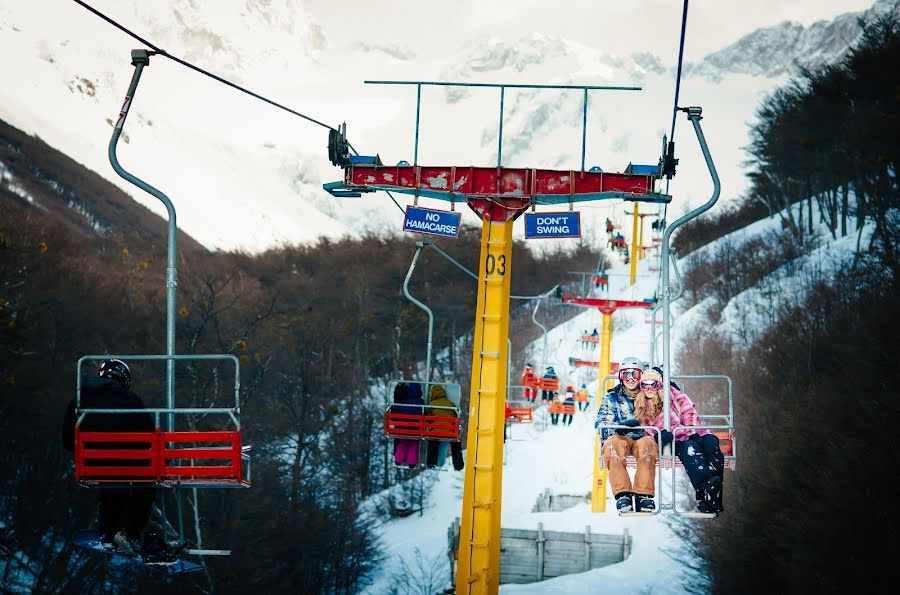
[698, 449]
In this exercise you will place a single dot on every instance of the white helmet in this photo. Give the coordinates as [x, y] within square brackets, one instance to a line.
[631, 362]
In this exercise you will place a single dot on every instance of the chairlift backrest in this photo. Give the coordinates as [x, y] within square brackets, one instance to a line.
[170, 462]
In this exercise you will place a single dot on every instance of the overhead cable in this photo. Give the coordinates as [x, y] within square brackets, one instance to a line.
[678, 72]
[156, 49]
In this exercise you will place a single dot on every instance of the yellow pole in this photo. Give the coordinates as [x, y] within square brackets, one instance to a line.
[598, 491]
[634, 254]
[641, 240]
[478, 569]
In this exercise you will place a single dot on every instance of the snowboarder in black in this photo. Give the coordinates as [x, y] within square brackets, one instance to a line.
[124, 512]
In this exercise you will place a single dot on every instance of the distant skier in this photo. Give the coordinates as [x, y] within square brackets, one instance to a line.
[529, 381]
[595, 336]
[124, 512]
[555, 409]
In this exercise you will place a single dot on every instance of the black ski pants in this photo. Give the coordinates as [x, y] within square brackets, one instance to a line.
[702, 458]
[125, 508]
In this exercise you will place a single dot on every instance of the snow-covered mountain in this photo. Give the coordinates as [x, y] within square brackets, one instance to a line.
[244, 175]
[788, 46]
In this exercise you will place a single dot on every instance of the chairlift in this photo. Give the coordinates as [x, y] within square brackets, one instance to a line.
[405, 420]
[424, 421]
[720, 424]
[520, 410]
[165, 458]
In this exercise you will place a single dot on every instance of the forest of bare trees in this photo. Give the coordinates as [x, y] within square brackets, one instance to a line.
[815, 396]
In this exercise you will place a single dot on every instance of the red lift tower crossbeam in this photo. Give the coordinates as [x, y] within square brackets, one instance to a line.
[605, 306]
[543, 185]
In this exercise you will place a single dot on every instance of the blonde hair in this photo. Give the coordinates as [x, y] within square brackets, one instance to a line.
[640, 407]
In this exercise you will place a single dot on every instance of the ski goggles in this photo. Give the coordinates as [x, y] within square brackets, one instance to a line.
[630, 374]
[651, 385]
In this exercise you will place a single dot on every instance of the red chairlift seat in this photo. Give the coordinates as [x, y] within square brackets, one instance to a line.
[726, 444]
[520, 414]
[163, 458]
[531, 381]
[590, 338]
[213, 459]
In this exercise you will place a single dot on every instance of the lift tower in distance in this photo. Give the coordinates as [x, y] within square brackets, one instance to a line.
[498, 195]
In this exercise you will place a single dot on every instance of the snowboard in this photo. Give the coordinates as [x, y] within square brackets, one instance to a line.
[91, 540]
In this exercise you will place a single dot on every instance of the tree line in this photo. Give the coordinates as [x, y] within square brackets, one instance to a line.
[815, 394]
[828, 137]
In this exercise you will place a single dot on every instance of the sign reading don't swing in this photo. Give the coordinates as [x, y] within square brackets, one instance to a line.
[553, 225]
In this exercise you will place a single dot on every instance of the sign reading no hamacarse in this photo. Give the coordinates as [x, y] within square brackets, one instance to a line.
[432, 222]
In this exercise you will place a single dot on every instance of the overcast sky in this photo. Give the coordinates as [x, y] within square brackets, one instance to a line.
[433, 25]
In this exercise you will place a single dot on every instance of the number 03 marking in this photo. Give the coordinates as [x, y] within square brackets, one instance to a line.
[495, 265]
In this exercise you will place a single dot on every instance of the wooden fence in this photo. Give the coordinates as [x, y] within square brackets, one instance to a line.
[549, 502]
[528, 556]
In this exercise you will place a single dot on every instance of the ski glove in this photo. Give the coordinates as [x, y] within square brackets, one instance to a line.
[631, 423]
[666, 437]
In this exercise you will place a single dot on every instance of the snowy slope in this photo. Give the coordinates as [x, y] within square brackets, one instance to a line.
[743, 319]
[558, 458]
[245, 175]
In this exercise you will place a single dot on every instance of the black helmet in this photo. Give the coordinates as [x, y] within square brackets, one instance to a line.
[117, 370]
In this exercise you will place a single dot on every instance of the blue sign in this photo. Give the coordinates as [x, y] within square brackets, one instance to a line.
[552, 225]
[431, 222]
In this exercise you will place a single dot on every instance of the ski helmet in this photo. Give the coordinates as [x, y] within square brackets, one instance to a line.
[117, 370]
[631, 362]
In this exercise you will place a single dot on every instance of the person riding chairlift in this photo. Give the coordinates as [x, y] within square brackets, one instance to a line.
[582, 398]
[124, 511]
[698, 449]
[547, 395]
[617, 408]
[529, 378]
